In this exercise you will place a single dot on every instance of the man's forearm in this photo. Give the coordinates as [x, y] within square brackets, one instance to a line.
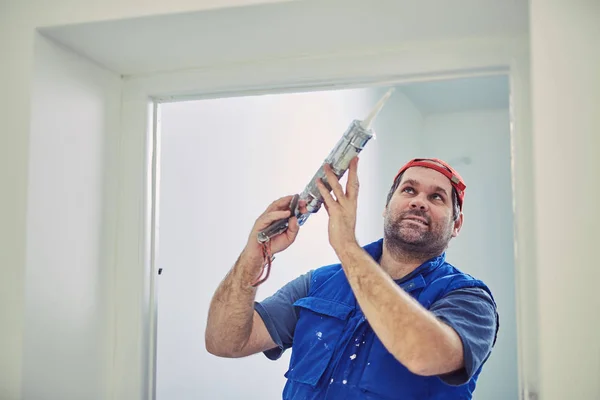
[231, 310]
[411, 333]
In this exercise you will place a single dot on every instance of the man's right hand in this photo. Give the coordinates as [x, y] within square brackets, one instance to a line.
[279, 209]
[234, 328]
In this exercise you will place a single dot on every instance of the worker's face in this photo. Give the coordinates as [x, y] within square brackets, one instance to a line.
[418, 217]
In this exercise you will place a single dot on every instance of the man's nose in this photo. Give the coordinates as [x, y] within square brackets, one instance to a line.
[418, 203]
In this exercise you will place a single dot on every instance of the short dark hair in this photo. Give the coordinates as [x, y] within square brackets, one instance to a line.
[455, 207]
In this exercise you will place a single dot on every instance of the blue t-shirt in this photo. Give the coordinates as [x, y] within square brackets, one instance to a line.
[471, 312]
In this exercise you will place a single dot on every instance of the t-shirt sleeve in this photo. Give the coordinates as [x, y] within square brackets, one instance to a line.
[279, 314]
[472, 314]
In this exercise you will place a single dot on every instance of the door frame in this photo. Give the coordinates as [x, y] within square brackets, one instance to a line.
[133, 288]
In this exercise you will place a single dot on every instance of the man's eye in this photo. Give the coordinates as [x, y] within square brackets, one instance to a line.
[408, 189]
[437, 197]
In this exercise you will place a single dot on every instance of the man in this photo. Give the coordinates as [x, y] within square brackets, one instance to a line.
[392, 320]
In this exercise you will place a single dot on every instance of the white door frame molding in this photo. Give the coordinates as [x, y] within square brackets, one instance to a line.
[132, 289]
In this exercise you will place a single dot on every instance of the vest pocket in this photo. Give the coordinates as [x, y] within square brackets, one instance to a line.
[389, 379]
[318, 332]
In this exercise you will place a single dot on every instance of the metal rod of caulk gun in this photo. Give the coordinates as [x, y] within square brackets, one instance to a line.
[350, 144]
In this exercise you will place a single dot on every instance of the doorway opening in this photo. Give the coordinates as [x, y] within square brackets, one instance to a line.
[221, 161]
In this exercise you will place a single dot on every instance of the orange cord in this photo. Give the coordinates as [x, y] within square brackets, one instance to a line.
[266, 249]
[267, 259]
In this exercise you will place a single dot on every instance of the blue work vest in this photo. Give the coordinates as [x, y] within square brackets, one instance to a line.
[336, 354]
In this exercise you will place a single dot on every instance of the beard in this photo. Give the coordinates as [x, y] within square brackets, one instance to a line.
[406, 238]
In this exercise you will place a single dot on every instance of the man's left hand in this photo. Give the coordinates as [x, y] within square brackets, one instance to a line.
[342, 208]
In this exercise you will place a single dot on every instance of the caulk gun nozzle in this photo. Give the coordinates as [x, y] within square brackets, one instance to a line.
[366, 123]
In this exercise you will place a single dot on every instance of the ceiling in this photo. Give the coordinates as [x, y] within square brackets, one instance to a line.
[291, 28]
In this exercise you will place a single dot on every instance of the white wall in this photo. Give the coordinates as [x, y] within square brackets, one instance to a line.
[18, 23]
[566, 121]
[477, 144]
[400, 125]
[75, 109]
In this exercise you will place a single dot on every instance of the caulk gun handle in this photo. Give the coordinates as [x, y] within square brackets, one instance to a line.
[278, 226]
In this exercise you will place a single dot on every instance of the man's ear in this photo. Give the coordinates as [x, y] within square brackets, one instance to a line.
[458, 225]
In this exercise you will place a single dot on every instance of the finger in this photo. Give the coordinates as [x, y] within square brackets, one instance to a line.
[279, 204]
[334, 183]
[352, 185]
[325, 205]
[328, 200]
[271, 217]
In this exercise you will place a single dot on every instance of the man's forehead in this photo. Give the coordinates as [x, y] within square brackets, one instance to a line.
[426, 176]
